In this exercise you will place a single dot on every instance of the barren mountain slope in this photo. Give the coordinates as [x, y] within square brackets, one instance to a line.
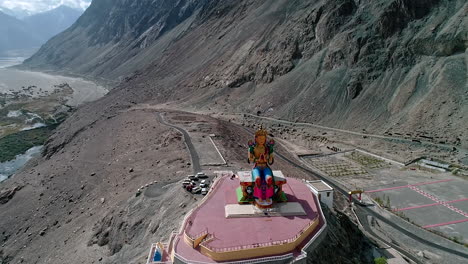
[56, 209]
[386, 66]
[382, 65]
[79, 205]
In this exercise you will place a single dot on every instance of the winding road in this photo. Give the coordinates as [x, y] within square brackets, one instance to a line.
[193, 153]
[361, 212]
[391, 138]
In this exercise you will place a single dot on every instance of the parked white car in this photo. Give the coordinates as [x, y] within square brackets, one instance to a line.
[186, 182]
[201, 175]
[207, 182]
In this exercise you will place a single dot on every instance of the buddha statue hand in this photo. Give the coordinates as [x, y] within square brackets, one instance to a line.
[251, 157]
[270, 146]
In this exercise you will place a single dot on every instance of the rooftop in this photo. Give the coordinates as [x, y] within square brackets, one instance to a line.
[320, 186]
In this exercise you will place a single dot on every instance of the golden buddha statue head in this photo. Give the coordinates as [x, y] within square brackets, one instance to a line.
[260, 136]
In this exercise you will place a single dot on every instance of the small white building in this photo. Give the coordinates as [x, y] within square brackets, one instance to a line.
[323, 191]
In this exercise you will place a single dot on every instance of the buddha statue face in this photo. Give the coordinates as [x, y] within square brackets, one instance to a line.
[260, 139]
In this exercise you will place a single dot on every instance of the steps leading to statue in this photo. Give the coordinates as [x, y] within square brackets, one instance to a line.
[248, 210]
[246, 176]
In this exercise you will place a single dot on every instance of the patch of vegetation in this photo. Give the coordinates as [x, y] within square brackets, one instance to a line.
[18, 143]
[379, 201]
[403, 216]
[381, 260]
[11, 107]
[458, 240]
[57, 119]
[338, 168]
[383, 202]
[5, 120]
[366, 160]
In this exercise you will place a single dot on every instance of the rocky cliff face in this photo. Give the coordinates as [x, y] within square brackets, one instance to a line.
[343, 243]
[387, 66]
[108, 36]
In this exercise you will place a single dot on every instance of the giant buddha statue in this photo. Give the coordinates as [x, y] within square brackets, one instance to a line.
[261, 153]
[259, 186]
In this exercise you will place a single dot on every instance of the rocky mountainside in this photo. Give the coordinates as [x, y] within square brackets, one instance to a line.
[80, 205]
[15, 12]
[381, 65]
[34, 30]
[50, 23]
[15, 34]
[111, 33]
[385, 66]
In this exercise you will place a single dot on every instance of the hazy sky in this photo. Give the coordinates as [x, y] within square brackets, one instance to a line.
[35, 6]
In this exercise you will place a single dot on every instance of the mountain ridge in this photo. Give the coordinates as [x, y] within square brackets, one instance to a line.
[34, 30]
[384, 66]
[16, 34]
[49, 23]
[375, 67]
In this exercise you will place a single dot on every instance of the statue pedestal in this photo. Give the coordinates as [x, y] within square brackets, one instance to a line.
[246, 176]
[245, 193]
[264, 203]
[250, 210]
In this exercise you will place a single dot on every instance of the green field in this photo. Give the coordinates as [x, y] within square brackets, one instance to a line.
[19, 142]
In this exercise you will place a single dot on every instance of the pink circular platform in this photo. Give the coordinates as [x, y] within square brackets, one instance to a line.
[238, 232]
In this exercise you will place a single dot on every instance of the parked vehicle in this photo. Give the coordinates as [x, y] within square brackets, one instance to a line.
[201, 175]
[186, 182]
[207, 182]
[204, 191]
[196, 190]
[193, 177]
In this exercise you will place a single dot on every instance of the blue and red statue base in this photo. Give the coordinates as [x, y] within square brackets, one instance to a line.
[265, 196]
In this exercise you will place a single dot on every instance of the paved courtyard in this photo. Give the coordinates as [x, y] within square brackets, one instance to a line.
[433, 200]
[438, 205]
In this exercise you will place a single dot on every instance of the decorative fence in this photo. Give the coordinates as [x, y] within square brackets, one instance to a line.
[286, 258]
[267, 244]
[318, 236]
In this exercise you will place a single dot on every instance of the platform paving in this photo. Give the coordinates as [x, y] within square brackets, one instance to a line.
[234, 232]
[424, 204]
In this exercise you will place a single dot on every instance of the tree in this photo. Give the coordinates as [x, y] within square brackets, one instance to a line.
[381, 260]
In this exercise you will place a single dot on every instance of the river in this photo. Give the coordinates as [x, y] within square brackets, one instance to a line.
[39, 89]
[15, 81]
[10, 61]
[10, 167]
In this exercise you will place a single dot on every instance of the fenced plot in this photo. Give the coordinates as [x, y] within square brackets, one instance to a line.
[367, 161]
[337, 167]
